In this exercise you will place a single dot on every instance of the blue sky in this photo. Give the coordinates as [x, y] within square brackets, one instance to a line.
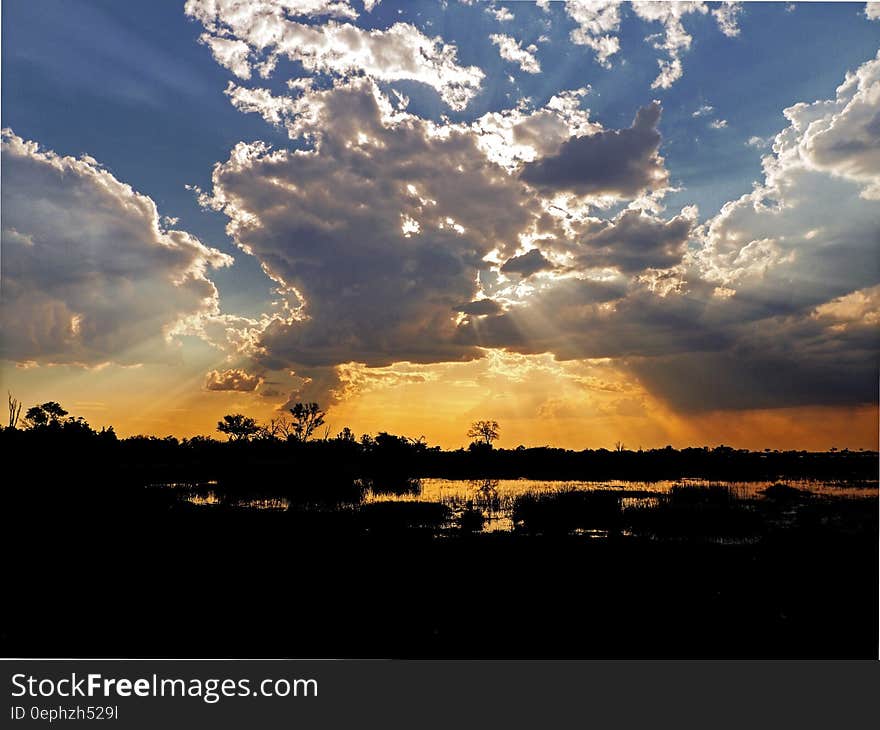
[602, 241]
[129, 84]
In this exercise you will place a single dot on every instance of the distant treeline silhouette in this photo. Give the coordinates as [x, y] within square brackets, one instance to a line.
[286, 452]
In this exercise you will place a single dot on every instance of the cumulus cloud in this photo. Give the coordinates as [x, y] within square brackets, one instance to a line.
[773, 304]
[814, 211]
[387, 236]
[90, 275]
[511, 49]
[800, 337]
[872, 10]
[842, 136]
[270, 31]
[621, 163]
[387, 228]
[233, 379]
[328, 223]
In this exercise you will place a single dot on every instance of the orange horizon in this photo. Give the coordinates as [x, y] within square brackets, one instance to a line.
[536, 399]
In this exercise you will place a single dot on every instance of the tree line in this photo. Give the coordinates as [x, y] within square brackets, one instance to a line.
[298, 444]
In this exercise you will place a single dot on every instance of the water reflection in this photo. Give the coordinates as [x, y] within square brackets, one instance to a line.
[489, 505]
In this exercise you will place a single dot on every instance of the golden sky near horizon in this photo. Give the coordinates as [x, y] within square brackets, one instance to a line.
[535, 399]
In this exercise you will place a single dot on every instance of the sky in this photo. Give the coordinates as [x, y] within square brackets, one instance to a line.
[648, 222]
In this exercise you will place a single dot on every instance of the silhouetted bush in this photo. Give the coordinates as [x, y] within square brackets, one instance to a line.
[705, 512]
[471, 520]
[397, 516]
[784, 493]
[568, 510]
[718, 495]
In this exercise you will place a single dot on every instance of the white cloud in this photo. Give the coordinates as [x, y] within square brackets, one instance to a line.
[842, 136]
[513, 136]
[501, 14]
[512, 50]
[317, 8]
[341, 49]
[89, 274]
[674, 39]
[759, 143]
[813, 212]
[598, 22]
[274, 109]
[718, 124]
[872, 10]
[727, 16]
[703, 110]
[229, 53]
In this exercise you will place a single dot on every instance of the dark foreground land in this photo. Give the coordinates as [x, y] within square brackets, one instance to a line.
[97, 563]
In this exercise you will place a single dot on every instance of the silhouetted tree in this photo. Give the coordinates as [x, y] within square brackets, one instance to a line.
[419, 442]
[43, 415]
[281, 426]
[278, 428]
[238, 427]
[485, 431]
[306, 418]
[14, 410]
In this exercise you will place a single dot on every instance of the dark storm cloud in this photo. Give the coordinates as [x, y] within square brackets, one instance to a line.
[788, 362]
[479, 307]
[527, 264]
[583, 318]
[620, 162]
[635, 241]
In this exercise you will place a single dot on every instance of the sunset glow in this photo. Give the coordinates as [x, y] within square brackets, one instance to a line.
[573, 219]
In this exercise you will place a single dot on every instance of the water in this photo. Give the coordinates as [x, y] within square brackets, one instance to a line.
[495, 498]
